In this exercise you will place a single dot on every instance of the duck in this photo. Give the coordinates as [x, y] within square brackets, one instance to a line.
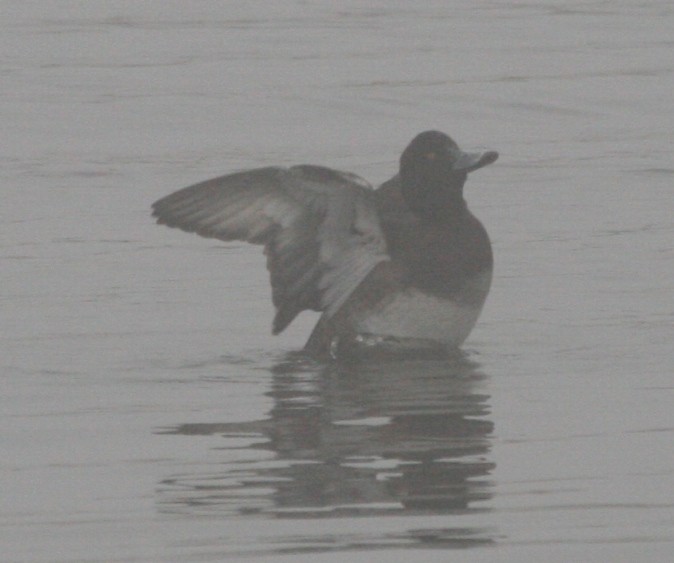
[401, 268]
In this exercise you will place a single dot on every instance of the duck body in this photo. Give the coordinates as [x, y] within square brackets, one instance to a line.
[403, 268]
[427, 298]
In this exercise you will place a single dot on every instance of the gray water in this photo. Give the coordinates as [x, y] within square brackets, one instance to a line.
[147, 412]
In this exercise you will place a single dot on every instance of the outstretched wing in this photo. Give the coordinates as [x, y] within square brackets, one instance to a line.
[319, 228]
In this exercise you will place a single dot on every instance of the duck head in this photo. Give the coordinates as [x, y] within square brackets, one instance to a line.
[433, 170]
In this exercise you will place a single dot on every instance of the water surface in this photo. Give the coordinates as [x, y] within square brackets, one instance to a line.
[149, 415]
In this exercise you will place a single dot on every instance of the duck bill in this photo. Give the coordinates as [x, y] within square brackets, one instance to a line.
[469, 161]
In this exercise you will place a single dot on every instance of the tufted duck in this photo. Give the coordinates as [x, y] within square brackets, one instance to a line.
[403, 268]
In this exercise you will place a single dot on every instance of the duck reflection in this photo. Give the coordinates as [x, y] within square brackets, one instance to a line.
[370, 438]
[391, 436]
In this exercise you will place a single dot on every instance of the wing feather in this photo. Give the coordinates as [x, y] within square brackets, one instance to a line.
[319, 228]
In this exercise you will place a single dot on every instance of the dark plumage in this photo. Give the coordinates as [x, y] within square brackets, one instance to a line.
[407, 264]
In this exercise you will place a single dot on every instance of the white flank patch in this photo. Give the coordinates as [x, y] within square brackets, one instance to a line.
[413, 314]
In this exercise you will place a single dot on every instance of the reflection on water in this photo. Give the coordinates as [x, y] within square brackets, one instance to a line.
[403, 438]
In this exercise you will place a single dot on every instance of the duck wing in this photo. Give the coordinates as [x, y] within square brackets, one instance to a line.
[319, 227]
